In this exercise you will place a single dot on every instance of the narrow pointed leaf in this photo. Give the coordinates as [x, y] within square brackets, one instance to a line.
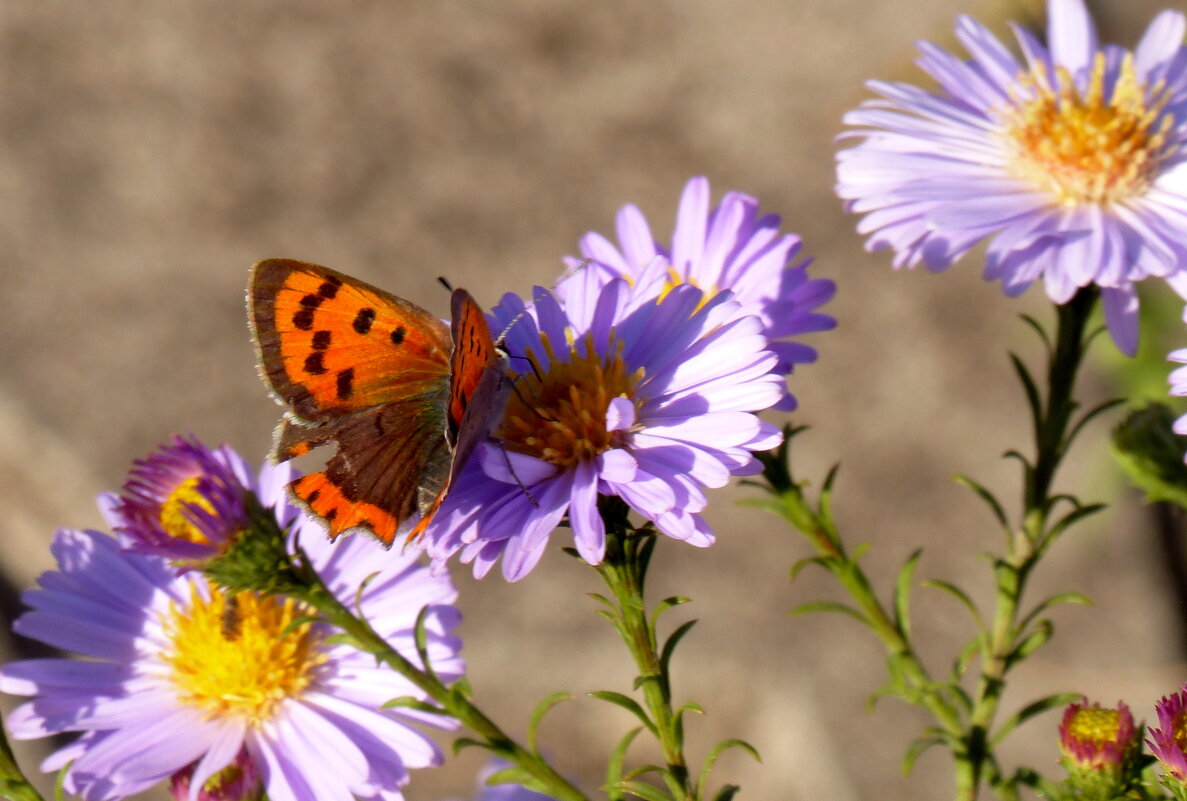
[990, 499]
[615, 763]
[715, 753]
[829, 606]
[902, 594]
[1030, 710]
[670, 644]
[627, 703]
[538, 714]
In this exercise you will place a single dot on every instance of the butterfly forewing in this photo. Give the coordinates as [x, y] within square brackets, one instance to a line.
[330, 344]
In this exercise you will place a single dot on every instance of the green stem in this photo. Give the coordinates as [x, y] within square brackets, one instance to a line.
[624, 570]
[455, 703]
[13, 784]
[1029, 542]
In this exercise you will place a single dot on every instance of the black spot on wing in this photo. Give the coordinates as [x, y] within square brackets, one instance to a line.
[345, 383]
[398, 335]
[363, 320]
[329, 287]
[322, 339]
[314, 364]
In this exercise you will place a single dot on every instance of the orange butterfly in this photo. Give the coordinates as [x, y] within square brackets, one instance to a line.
[405, 398]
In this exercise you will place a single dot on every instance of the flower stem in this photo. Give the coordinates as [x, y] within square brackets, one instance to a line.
[624, 570]
[454, 700]
[13, 784]
[1030, 540]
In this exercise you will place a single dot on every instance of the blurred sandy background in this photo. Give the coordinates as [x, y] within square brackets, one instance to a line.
[150, 152]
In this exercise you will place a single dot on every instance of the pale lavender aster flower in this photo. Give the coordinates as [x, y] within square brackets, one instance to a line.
[1166, 742]
[727, 247]
[1072, 162]
[187, 502]
[650, 400]
[177, 677]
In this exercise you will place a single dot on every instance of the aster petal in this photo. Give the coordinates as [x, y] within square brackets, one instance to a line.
[620, 414]
[1121, 313]
[223, 749]
[589, 530]
[616, 464]
[1162, 40]
[994, 57]
[688, 240]
[1071, 34]
[638, 245]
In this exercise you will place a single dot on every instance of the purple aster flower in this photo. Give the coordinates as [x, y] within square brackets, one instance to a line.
[187, 502]
[728, 247]
[1072, 162]
[177, 677]
[1166, 742]
[646, 399]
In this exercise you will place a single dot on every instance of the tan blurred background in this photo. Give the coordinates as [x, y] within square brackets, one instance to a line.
[150, 152]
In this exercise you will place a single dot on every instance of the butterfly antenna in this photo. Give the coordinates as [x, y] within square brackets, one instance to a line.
[511, 468]
[445, 282]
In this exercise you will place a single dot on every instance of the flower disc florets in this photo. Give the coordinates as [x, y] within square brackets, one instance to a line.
[1098, 744]
[617, 394]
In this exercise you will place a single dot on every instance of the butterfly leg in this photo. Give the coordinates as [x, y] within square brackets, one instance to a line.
[511, 469]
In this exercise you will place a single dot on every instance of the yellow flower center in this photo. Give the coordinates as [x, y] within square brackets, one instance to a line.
[1095, 726]
[560, 415]
[1088, 148]
[675, 279]
[174, 516]
[243, 656]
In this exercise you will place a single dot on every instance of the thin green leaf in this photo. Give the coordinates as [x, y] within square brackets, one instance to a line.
[727, 792]
[614, 765]
[916, 748]
[408, 702]
[965, 657]
[1029, 711]
[642, 790]
[829, 606]
[627, 703]
[772, 505]
[665, 605]
[800, 564]
[902, 594]
[1071, 518]
[538, 714]
[1091, 415]
[468, 742]
[1054, 600]
[1030, 643]
[1037, 327]
[1033, 399]
[421, 635]
[518, 776]
[984, 494]
[964, 599]
[665, 656]
[715, 753]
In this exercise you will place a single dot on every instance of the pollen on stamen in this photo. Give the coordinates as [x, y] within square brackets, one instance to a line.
[245, 671]
[1087, 147]
[559, 414]
[174, 516]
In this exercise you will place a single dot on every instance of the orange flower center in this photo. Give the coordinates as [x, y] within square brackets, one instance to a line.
[1088, 148]
[1095, 726]
[174, 513]
[559, 415]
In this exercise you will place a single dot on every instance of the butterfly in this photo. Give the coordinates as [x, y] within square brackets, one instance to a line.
[405, 397]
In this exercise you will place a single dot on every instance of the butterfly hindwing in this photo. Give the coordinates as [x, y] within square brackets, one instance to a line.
[330, 344]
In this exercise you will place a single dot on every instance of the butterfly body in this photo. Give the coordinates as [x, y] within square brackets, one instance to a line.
[405, 397]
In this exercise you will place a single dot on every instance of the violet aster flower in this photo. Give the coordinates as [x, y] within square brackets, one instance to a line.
[1166, 742]
[187, 502]
[617, 394]
[727, 247]
[1071, 162]
[177, 677]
